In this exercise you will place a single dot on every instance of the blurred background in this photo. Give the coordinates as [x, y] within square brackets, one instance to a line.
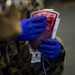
[66, 30]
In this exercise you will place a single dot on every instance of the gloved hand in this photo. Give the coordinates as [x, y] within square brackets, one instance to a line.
[50, 48]
[32, 28]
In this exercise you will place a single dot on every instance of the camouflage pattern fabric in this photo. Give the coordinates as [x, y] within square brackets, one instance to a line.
[20, 61]
[15, 58]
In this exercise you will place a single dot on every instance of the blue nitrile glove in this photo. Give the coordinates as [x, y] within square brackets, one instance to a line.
[32, 28]
[50, 48]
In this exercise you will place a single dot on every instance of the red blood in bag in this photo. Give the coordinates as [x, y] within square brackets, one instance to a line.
[51, 18]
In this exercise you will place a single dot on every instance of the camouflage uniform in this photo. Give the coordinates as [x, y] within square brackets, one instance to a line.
[15, 58]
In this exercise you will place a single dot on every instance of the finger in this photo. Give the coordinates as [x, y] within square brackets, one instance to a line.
[47, 47]
[50, 41]
[37, 31]
[37, 26]
[35, 36]
[58, 45]
[49, 56]
[48, 52]
[53, 55]
[40, 25]
[38, 19]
